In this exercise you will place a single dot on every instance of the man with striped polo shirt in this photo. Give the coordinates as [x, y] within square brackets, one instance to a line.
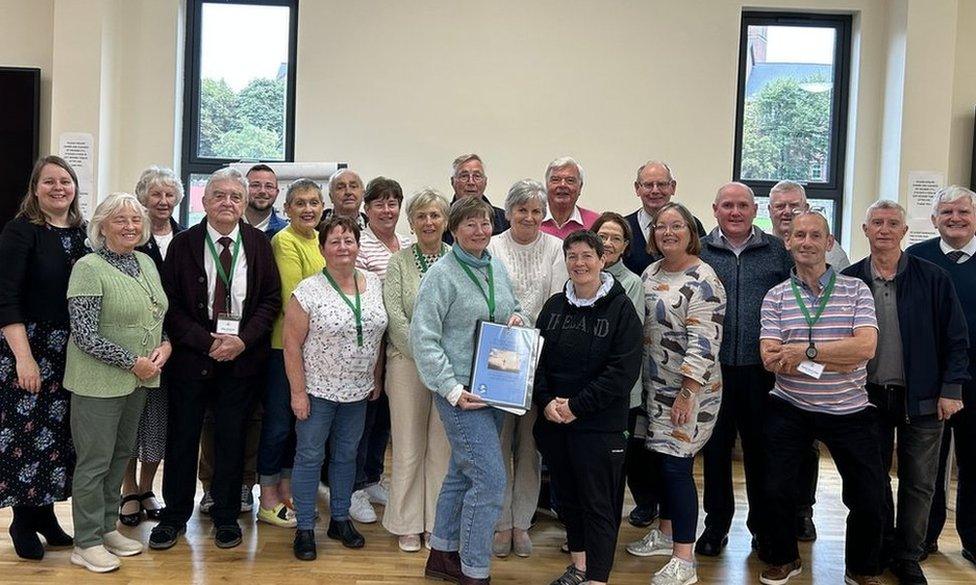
[818, 330]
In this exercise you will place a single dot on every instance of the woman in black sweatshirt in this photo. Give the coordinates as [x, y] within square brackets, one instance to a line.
[590, 361]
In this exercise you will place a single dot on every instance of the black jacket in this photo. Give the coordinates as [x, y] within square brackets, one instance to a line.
[934, 337]
[151, 248]
[638, 258]
[592, 356]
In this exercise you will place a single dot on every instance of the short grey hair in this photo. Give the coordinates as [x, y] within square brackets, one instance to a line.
[301, 185]
[524, 191]
[106, 209]
[656, 163]
[158, 176]
[718, 194]
[464, 158]
[565, 161]
[335, 178]
[428, 197]
[226, 174]
[786, 187]
[885, 204]
[950, 194]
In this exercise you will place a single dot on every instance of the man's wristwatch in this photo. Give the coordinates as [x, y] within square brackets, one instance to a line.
[812, 352]
[686, 393]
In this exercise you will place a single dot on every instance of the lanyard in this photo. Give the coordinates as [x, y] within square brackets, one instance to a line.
[357, 310]
[227, 278]
[422, 260]
[824, 298]
[490, 296]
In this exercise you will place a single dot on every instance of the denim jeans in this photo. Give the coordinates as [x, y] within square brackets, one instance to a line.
[342, 424]
[919, 439]
[276, 450]
[470, 501]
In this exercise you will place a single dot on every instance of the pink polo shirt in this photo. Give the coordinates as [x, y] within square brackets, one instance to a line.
[581, 219]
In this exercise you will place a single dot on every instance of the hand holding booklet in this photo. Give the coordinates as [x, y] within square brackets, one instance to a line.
[503, 368]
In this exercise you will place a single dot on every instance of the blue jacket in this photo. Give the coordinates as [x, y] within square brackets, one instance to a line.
[747, 278]
[275, 224]
[934, 338]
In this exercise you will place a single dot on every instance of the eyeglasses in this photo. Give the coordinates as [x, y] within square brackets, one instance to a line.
[468, 177]
[673, 227]
[612, 238]
[235, 198]
[660, 185]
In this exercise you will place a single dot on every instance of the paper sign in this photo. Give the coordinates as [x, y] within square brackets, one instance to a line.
[922, 187]
[77, 149]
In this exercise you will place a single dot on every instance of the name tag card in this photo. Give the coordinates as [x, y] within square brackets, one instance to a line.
[812, 369]
[228, 324]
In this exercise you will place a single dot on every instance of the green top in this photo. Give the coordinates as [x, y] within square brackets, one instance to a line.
[634, 287]
[399, 295]
[297, 258]
[128, 319]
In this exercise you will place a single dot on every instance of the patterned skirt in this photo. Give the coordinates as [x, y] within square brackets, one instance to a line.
[37, 458]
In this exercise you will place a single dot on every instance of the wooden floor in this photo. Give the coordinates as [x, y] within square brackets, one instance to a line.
[265, 556]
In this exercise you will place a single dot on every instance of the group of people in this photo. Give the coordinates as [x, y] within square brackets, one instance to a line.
[252, 348]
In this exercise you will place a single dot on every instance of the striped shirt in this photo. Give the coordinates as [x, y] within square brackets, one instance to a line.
[374, 256]
[850, 306]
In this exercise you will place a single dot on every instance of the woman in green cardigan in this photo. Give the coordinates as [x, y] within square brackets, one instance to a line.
[116, 304]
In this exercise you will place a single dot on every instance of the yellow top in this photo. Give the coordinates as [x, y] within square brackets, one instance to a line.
[297, 258]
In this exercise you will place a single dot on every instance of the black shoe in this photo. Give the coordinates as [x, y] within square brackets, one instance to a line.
[969, 556]
[908, 572]
[46, 524]
[642, 516]
[131, 519]
[154, 514]
[806, 530]
[343, 530]
[164, 536]
[711, 543]
[304, 545]
[227, 535]
[929, 548]
[26, 542]
[572, 576]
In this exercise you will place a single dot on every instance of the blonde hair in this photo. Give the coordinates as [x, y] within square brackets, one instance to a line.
[107, 209]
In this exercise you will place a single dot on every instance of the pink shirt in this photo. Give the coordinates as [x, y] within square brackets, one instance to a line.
[581, 219]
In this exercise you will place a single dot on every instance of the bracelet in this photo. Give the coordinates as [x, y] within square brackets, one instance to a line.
[686, 393]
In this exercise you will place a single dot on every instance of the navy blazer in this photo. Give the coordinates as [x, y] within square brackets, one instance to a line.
[187, 322]
[934, 338]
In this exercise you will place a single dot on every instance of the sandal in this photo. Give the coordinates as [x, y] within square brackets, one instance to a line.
[151, 514]
[130, 519]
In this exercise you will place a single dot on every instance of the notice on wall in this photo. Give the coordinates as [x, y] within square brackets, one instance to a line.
[77, 148]
[922, 187]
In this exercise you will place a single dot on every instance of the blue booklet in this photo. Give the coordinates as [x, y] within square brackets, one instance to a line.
[504, 365]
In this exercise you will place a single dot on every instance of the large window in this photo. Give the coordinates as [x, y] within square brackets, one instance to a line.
[791, 116]
[239, 88]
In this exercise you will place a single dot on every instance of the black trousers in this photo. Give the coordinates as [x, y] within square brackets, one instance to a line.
[963, 426]
[639, 463]
[745, 391]
[854, 444]
[589, 470]
[232, 400]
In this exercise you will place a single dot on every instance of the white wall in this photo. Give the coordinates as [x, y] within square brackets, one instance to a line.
[26, 39]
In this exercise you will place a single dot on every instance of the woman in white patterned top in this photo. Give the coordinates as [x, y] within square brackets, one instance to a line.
[535, 264]
[334, 327]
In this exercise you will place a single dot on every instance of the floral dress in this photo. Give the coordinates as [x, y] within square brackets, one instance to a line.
[36, 455]
[682, 334]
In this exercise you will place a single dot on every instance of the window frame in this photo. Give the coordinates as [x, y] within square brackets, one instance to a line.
[833, 187]
[191, 164]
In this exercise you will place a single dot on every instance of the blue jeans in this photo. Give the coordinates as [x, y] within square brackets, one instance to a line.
[276, 450]
[470, 501]
[342, 424]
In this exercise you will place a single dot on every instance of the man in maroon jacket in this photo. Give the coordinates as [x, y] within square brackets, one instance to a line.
[224, 294]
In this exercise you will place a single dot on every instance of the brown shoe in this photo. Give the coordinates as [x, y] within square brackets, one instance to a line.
[852, 579]
[443, 565]
[780, 574]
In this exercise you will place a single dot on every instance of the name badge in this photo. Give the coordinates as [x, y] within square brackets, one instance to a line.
[812, 369]
[228, 324]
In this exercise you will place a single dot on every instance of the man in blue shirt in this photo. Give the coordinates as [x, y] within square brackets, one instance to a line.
[262, 190]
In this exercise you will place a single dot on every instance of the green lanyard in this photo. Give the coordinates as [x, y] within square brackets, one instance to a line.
[227, 278]
[422, 260]
[490, 296]
[357, 310]
[825, 297]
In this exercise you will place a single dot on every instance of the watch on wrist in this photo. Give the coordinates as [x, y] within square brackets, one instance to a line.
[686, 393]
[812, 352]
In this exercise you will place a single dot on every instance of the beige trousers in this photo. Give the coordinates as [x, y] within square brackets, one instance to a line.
[420, 450]
[524, 464]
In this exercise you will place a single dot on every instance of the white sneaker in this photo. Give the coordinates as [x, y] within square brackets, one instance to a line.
[95, 558]
[656, 543]
[360, 509]
[247, 499]
[676, 572]
[121, 545]
[378, 494]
